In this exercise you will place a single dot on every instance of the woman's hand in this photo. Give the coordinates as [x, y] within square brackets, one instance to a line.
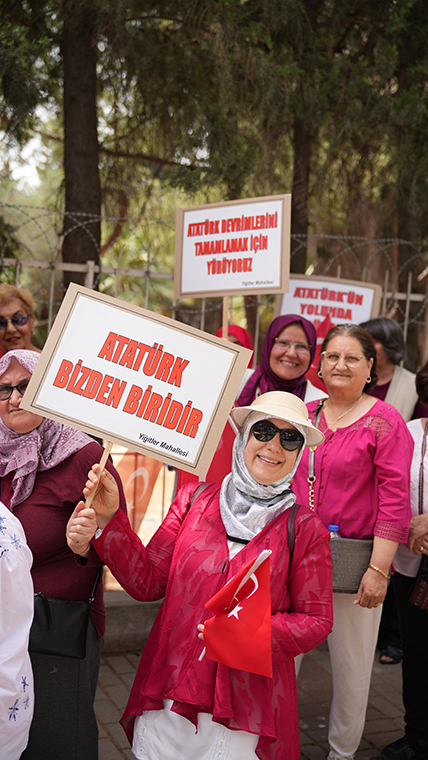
[374, 584]
[81, 529]
[200, 628]
[417, 541]
[106, 500]
[372, 589]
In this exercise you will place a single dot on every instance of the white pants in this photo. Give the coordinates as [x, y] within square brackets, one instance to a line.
[165, 735]
[352, 646]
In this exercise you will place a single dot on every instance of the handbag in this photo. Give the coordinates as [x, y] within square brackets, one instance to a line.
[419, 593]
[350, 556]
[60, 626]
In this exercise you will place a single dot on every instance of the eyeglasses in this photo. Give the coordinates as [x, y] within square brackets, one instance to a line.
[19, 320]
[290, 439]
[300, 348]
[349, 359]
[7, 390]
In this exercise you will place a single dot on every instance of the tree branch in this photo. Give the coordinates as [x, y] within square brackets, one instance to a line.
[125, 154]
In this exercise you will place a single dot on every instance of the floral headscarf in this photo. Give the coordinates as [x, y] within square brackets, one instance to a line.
[41, 449]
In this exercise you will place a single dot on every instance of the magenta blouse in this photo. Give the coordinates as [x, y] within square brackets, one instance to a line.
[362, 475]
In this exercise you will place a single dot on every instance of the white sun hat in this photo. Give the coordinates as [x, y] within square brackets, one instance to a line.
[284, 406]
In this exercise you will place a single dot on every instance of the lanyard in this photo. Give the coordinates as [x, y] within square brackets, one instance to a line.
[311, 462]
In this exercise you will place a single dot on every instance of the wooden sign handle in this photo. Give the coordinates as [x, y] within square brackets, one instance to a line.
[102, 465]
[225, 316]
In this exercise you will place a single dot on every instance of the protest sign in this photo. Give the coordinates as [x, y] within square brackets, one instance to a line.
[317, 297]
[234, 247]
[137, 378]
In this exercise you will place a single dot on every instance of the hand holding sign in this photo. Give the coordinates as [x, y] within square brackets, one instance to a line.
[85, 519]
[102, 492]
[81, 529]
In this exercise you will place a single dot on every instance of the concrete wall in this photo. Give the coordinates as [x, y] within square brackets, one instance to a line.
[128, 622]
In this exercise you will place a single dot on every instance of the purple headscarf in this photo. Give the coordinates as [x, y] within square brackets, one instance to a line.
[45, 447]
[264, 377]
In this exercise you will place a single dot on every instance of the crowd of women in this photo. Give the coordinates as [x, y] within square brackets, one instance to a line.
[302, 460]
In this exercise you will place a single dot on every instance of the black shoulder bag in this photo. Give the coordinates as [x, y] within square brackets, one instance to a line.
[59, 626]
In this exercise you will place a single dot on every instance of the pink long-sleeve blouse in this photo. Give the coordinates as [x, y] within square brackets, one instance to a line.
[362, 475]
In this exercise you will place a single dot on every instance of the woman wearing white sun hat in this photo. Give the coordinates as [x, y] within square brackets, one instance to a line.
[202, 544]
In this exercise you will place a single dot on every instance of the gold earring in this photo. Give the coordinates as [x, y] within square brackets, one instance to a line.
[369, 379]
[319, 373]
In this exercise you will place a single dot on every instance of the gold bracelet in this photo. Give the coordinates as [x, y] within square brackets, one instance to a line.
[378, 570]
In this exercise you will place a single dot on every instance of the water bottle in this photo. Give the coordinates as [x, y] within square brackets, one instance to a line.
[334, 531]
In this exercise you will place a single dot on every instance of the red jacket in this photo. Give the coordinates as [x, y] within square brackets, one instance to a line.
[187, 561]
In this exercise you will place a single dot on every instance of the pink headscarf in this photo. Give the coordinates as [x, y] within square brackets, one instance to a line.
[45, 447]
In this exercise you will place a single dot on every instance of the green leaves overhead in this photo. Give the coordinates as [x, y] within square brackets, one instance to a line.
[217, 96]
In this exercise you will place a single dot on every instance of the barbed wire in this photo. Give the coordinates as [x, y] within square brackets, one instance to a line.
[35, 232]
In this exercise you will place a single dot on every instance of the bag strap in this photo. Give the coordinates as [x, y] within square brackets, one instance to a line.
[291, 531]
[96, 582]
[197, 493]
[311, 462]
[421, 470]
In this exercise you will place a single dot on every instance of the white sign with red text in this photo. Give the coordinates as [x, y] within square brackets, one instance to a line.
[137, 378]
[234, 247]
[317, 297]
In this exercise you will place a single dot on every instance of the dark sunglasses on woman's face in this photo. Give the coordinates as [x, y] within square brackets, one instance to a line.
[19, 320]
[7, 390]
[264, 431]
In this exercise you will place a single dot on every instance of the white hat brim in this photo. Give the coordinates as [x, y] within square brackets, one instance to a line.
[290, 410]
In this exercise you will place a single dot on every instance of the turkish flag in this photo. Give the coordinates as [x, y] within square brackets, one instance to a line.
[239, 634]
[312, 373]
[139, 474]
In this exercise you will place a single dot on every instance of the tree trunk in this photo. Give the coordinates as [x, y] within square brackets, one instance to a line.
[82, 227]
[300, 195]
[408, 230]
[410, 138]
[302, 137]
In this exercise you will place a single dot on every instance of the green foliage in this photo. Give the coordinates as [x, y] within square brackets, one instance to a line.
[198, 101]
[29, 62]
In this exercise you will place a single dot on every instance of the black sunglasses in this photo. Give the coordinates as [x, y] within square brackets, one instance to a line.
[290, 439]
[19, 320]
[7, 390]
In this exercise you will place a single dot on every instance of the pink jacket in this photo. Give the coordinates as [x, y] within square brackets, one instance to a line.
[187, 561]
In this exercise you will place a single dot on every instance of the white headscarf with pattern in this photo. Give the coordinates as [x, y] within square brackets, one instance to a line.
[245, 505]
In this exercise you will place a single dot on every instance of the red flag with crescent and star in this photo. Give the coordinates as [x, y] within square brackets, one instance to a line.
[239, 634]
